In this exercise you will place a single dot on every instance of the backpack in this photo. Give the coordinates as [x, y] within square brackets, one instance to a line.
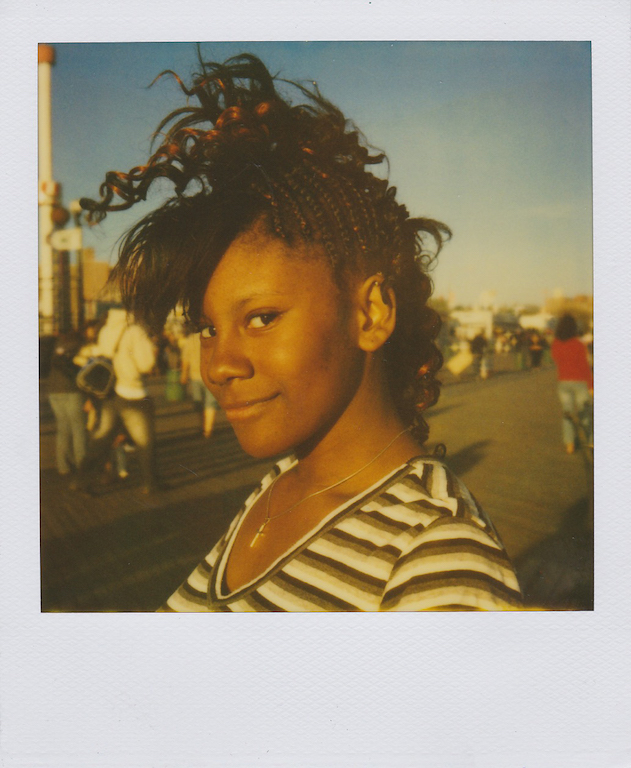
[97, 377]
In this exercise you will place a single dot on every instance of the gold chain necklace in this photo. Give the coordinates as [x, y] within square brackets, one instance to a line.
[269, 518]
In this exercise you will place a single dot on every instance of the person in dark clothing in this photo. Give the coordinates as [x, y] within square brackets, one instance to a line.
[536, 347]
[477, 345]
[67, 403]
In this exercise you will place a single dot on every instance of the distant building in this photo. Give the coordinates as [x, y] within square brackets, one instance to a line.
[80, 292]
[542, 321]
[98, 295]
[470, 322]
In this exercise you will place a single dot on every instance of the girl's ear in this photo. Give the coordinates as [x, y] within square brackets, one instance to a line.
[377, 313]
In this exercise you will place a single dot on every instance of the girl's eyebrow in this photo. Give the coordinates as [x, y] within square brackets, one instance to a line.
[250, 297]
[256, 296]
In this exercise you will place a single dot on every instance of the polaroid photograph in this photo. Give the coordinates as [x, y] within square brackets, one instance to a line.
[313, 328]
[451, 193]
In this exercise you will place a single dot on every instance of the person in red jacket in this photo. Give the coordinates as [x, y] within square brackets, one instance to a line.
[576, 382]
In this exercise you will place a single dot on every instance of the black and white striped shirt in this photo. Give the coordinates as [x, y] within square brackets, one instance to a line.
[416, 540]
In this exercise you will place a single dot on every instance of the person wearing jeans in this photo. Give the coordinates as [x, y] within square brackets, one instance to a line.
[67, 404]
[576, 382]
[575, 400]
[71, 430]
[192, 375]
[137, 416]
[133, 355]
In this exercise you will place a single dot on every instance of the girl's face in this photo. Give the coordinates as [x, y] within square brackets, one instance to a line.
[278, 345]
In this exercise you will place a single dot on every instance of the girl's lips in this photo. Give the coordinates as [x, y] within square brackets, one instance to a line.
[246, 409]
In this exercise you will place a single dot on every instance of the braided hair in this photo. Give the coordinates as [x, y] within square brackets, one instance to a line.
[245, 154]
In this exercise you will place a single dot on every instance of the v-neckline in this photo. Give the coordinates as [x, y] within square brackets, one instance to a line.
[218, 592]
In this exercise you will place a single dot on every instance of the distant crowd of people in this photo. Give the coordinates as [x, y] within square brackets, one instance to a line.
[530, 349]
[95, 434]
[571, 353]
[476, 355]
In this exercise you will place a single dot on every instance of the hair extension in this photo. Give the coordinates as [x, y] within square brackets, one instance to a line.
[245, 153]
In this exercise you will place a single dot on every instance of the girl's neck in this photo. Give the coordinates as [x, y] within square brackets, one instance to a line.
[352, 444]
[368, 424]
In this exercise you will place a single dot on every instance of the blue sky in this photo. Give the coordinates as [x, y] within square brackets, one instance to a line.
[492, 138]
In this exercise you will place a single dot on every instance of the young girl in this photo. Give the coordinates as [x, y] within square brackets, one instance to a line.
[307, 280]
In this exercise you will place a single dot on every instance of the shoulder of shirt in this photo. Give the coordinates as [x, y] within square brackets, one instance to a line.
[429, 486]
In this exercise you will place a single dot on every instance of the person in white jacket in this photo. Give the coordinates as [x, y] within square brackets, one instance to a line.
[133, 354]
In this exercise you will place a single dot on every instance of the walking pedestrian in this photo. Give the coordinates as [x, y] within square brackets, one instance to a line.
[67, 402]
[535, 348]
[519, 345]
[133, 354]
[192, 375]
[88, 350]
[174, 391]
[576, 383]
[478, 346]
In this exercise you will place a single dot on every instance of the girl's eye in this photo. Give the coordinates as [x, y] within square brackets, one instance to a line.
[262, 319]
[208, 332]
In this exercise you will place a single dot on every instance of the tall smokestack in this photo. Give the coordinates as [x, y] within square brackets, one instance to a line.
[48, 190]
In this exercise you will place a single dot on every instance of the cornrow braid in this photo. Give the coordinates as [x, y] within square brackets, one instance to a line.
[324, 199]
[339, 183]
[314, 206]
[270, 196]
[291, 192]
[360, 216]
[245, 153]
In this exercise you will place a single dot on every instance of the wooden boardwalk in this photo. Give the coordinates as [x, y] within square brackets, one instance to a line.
[123, 551]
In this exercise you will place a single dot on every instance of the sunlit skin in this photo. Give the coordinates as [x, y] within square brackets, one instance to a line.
[297, 369]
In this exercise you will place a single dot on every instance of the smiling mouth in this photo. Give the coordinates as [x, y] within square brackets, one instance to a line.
[246, 409]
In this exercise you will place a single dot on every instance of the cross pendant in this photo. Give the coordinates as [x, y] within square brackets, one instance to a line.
[258, 533]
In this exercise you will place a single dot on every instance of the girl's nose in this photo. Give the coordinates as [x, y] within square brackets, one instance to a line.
[225, 359]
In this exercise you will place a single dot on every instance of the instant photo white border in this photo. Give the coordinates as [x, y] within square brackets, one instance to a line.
[516, 690]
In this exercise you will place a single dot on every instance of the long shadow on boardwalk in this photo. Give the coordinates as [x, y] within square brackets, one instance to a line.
[558, 572]
[466, 458]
